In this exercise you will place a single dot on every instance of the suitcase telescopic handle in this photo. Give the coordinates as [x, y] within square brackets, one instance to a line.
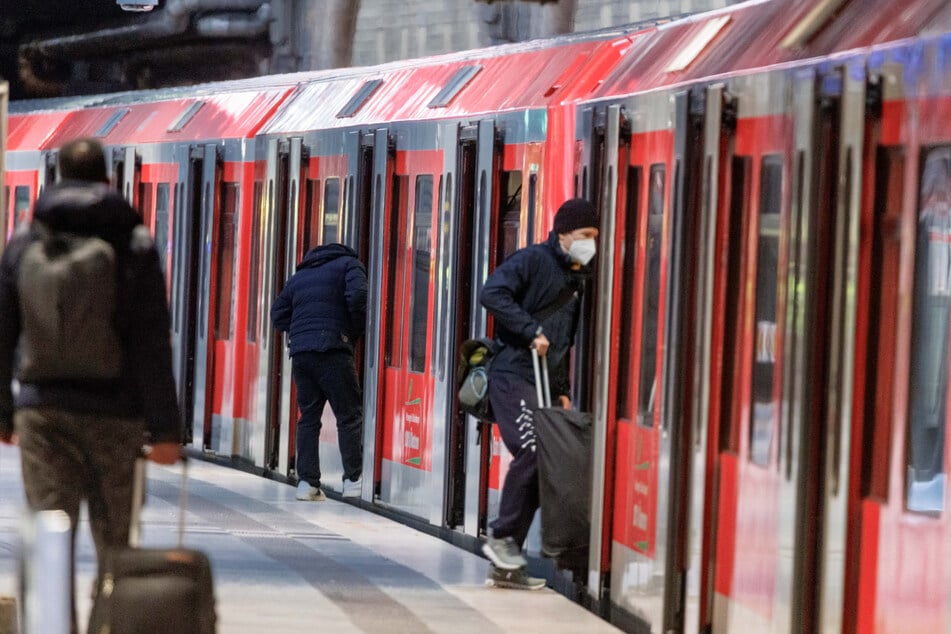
[138, 497]
[542, 389]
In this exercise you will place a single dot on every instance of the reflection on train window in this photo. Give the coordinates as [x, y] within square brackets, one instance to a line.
[511, 209]
[928, 383]
[146, 203]
[394, 332]
[225, 279]
[422, 241]
[21, 204]
[331, 211]
[310, 211]
[765, 399]
[647, 383]
[625, 398]
[254, 273]
[161, 221]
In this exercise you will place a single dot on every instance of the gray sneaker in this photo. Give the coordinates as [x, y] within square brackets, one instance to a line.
[504, 553]
[515, 579]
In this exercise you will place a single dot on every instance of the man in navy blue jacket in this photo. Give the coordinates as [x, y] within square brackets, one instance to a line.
[323, 308]
[534, 297]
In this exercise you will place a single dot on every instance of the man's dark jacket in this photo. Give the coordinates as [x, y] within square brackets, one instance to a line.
[324, 304]
[146, 385]
[526, 284]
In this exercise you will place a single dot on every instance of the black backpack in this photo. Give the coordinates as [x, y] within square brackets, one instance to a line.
[67, 288]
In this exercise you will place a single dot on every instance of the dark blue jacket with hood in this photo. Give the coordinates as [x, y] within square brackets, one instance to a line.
[525, 285]
[323, 306]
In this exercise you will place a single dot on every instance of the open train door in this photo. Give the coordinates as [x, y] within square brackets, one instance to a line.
[193, 231]
[290, 162]
[379, 158]
[471, 440]
[127, 173]
[273, 222]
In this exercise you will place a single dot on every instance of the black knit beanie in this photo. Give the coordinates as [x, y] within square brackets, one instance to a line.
[575, 213]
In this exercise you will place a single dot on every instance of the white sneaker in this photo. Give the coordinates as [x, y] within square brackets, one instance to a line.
[352, 489]
[309, 493]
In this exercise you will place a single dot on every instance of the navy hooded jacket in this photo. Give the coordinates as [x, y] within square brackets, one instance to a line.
[324, 304]
[525, 285]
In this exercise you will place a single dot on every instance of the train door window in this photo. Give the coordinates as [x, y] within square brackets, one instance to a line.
[764, 386]
[443, 237]
[161, 221]
[146, 203]
[532, 198]
[647, 383]
[6, 208]
[254, 273]
[331, 222]
[226, 239]
[928, 380]
[511, 191]
[21, 204]
[740, 169]
[879, 391]
[625, 398]
[422, 247]
[311, 211]
[394, 334]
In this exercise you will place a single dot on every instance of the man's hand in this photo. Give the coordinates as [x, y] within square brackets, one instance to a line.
[164, 452]
[541, 344]
[565, 402]
[8, 437]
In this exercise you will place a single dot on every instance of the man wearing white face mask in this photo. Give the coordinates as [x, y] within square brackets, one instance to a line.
[534, 297]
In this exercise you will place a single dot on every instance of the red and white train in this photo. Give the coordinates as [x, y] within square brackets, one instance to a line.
[765, 348]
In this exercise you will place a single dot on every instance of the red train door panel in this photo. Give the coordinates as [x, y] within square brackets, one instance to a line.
[407, 432]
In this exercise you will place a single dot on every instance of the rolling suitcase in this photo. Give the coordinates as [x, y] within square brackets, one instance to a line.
[564, 475]
[155, 590]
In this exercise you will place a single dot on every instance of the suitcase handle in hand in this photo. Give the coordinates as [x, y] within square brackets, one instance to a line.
[138, 498]
[542, 389]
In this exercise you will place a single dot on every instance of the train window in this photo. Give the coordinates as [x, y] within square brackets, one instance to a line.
[394, 331]
[226, 239]
[330, 231]
[146, 203]
[511, 206]
[532, 201]
[309, 212]
[161, 221]
[5, 208]
[444, 241]
[21, 204]
[764, 387]
[625, 398]
[254, 272]
[928, 380]
[647, 383]
[422, 251]
[879, 391]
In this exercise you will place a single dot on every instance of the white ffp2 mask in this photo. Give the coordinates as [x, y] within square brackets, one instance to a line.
[581, 251]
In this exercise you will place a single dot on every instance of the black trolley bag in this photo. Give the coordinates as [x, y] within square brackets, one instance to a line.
[564, 475]
[155, 590]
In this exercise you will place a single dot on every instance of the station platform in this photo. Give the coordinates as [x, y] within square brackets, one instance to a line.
[282, 565]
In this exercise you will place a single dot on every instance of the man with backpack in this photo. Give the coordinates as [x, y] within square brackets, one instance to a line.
[84, 330]
[534, 297]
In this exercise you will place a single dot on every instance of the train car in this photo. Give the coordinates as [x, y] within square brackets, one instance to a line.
[741, 199]
[764, 346]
